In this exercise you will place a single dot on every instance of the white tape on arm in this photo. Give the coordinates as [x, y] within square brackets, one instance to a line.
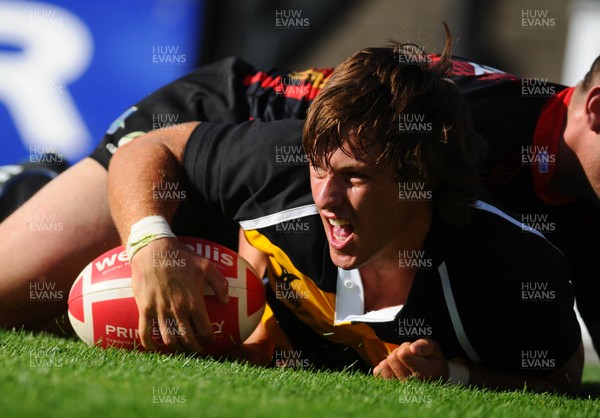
[458, 374]
[146, 230]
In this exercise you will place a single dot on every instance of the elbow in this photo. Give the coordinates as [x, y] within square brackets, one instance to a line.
[568, 378]
[166, 143]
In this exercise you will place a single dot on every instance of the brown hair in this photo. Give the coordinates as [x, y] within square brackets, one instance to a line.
[593, 75]
[371, 91]
[591, 78]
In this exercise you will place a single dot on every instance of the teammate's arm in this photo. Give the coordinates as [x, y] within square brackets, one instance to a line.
[164, 296]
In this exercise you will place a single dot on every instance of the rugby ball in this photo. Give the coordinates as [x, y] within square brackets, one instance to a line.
[103, 311]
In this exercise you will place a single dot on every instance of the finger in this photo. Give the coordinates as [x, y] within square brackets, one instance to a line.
[186, 337]
[217, 282]
[169, 330]
[202, 325]
[422, 347]
[397, 366]
[377, 369]
[383, 371]
[426, 347]
[423, 366]
[146, 330]
[198, 323]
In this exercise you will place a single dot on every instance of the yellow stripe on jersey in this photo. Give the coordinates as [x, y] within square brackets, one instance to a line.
[312, 306]
[316, 78]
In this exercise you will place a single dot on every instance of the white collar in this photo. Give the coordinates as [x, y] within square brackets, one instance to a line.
[350, 301]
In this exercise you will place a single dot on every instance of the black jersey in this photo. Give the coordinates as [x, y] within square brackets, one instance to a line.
[495, 292]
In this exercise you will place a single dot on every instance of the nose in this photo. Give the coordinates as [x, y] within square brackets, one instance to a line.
[327, 191]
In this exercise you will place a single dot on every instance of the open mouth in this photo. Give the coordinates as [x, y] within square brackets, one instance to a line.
[340, 232]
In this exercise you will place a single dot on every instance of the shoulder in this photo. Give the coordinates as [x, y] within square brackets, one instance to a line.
[498, 244]
[500, 255]
[255, 136]
[508, 230]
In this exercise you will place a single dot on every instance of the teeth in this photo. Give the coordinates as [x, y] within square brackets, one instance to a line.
[338, 222]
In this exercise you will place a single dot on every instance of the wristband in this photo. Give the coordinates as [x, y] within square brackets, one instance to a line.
[458, 374]
[146, 230]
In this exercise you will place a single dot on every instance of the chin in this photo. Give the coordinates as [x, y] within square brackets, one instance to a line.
[343, 261]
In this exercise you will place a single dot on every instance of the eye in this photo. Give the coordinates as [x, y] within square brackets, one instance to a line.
[359, 175]
[356, 178]
[318, 171]
[356, 174]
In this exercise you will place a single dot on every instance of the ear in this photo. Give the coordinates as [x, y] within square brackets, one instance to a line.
[592, 107]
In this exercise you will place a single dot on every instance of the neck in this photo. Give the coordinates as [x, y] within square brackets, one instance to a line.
[382, 290]
[386, 282]
[569, 177]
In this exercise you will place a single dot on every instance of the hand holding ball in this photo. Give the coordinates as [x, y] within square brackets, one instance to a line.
[103, 311]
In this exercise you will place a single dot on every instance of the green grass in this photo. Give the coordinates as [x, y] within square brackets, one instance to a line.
[45, 376]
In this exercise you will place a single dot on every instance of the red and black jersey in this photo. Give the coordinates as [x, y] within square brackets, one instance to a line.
[232, 91]
[276, 95]
[228, 91]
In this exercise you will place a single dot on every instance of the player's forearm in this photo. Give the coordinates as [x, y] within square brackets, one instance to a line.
[566, 379]
[141, 172]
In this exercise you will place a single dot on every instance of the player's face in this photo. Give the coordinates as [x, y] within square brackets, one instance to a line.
[364, 219]
[585, 143]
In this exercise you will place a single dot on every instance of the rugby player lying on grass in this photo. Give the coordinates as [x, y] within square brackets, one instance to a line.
[406, 287]
[564, 191]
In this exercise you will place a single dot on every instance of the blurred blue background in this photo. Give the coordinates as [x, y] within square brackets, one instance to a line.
[68, 68]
